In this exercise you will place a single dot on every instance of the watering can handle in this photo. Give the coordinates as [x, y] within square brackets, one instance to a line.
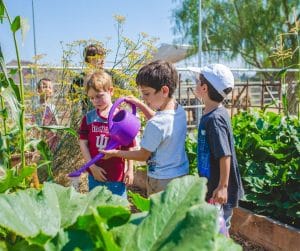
[113, 108]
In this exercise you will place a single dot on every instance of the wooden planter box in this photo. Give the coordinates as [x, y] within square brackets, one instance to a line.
[270, 234]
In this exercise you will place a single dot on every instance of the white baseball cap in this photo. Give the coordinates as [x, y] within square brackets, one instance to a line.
[218, 75]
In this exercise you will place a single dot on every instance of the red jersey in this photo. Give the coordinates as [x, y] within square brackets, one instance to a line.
[94, 129]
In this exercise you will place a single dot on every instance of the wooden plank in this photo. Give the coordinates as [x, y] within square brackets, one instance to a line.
[270, 234]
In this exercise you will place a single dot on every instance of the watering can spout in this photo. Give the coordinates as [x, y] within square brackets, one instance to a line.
[123, 128]
[111, 145]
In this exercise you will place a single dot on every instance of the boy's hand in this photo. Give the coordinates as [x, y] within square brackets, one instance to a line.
[133, 100]
[98, 173]
[220, 195]
[108, 153]
[128, 178]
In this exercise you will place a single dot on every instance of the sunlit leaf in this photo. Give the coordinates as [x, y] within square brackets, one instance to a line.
[26, 212]
[16, 24]
[141, 203]
[178, 219]
[12, 179]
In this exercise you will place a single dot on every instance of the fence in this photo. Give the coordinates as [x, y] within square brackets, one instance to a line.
[254, 88]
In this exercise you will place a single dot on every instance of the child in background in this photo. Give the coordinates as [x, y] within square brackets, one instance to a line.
[163, 141]
[94, 136]
[216, 154]
[46, 114]
[94, 55]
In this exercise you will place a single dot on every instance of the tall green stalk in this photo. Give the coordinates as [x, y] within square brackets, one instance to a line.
[298, 75]
[21, 89]
[4, 118]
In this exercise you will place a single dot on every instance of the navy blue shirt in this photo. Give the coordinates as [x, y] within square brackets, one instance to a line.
[215, 140]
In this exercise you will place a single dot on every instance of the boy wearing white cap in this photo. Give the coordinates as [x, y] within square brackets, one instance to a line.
[216, 155]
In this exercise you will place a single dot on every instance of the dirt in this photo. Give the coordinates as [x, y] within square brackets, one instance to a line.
[246, 244]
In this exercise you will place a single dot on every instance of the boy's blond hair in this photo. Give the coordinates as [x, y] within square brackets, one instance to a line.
[99, 81]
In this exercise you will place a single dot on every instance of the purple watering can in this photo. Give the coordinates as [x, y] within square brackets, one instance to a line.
[123, 127]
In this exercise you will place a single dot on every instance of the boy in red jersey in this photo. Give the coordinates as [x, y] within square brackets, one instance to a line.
[94, 136]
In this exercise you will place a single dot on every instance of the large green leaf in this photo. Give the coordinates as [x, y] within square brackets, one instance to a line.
[97, 225]
[73, 204]
[167, 210]
[74, 239]
[124, 234]
[38, 216]
[198, 232]
[179, 219]
[195, 232]
[111, 215]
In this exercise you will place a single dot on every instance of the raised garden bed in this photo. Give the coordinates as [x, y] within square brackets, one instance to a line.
[270, 234]
[258, 230]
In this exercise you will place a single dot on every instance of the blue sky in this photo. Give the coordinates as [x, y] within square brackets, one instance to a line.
[70, 20]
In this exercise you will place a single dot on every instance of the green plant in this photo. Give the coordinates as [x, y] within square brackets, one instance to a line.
[287, 55]
[141, 203]
[191, 150]
[13, 130]
[229, 28]
[178, 219]
[16, 93]
[268, 152]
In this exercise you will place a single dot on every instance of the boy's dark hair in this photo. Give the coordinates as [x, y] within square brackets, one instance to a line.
[39, 84]
[93, 50]
[157, 74]
[213, 94]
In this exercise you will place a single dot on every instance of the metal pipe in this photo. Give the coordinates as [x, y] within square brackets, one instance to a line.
[33, 26]
[200, 35]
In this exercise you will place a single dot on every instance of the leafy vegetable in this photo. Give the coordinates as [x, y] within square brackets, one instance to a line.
[268, 151]
[58, 218]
